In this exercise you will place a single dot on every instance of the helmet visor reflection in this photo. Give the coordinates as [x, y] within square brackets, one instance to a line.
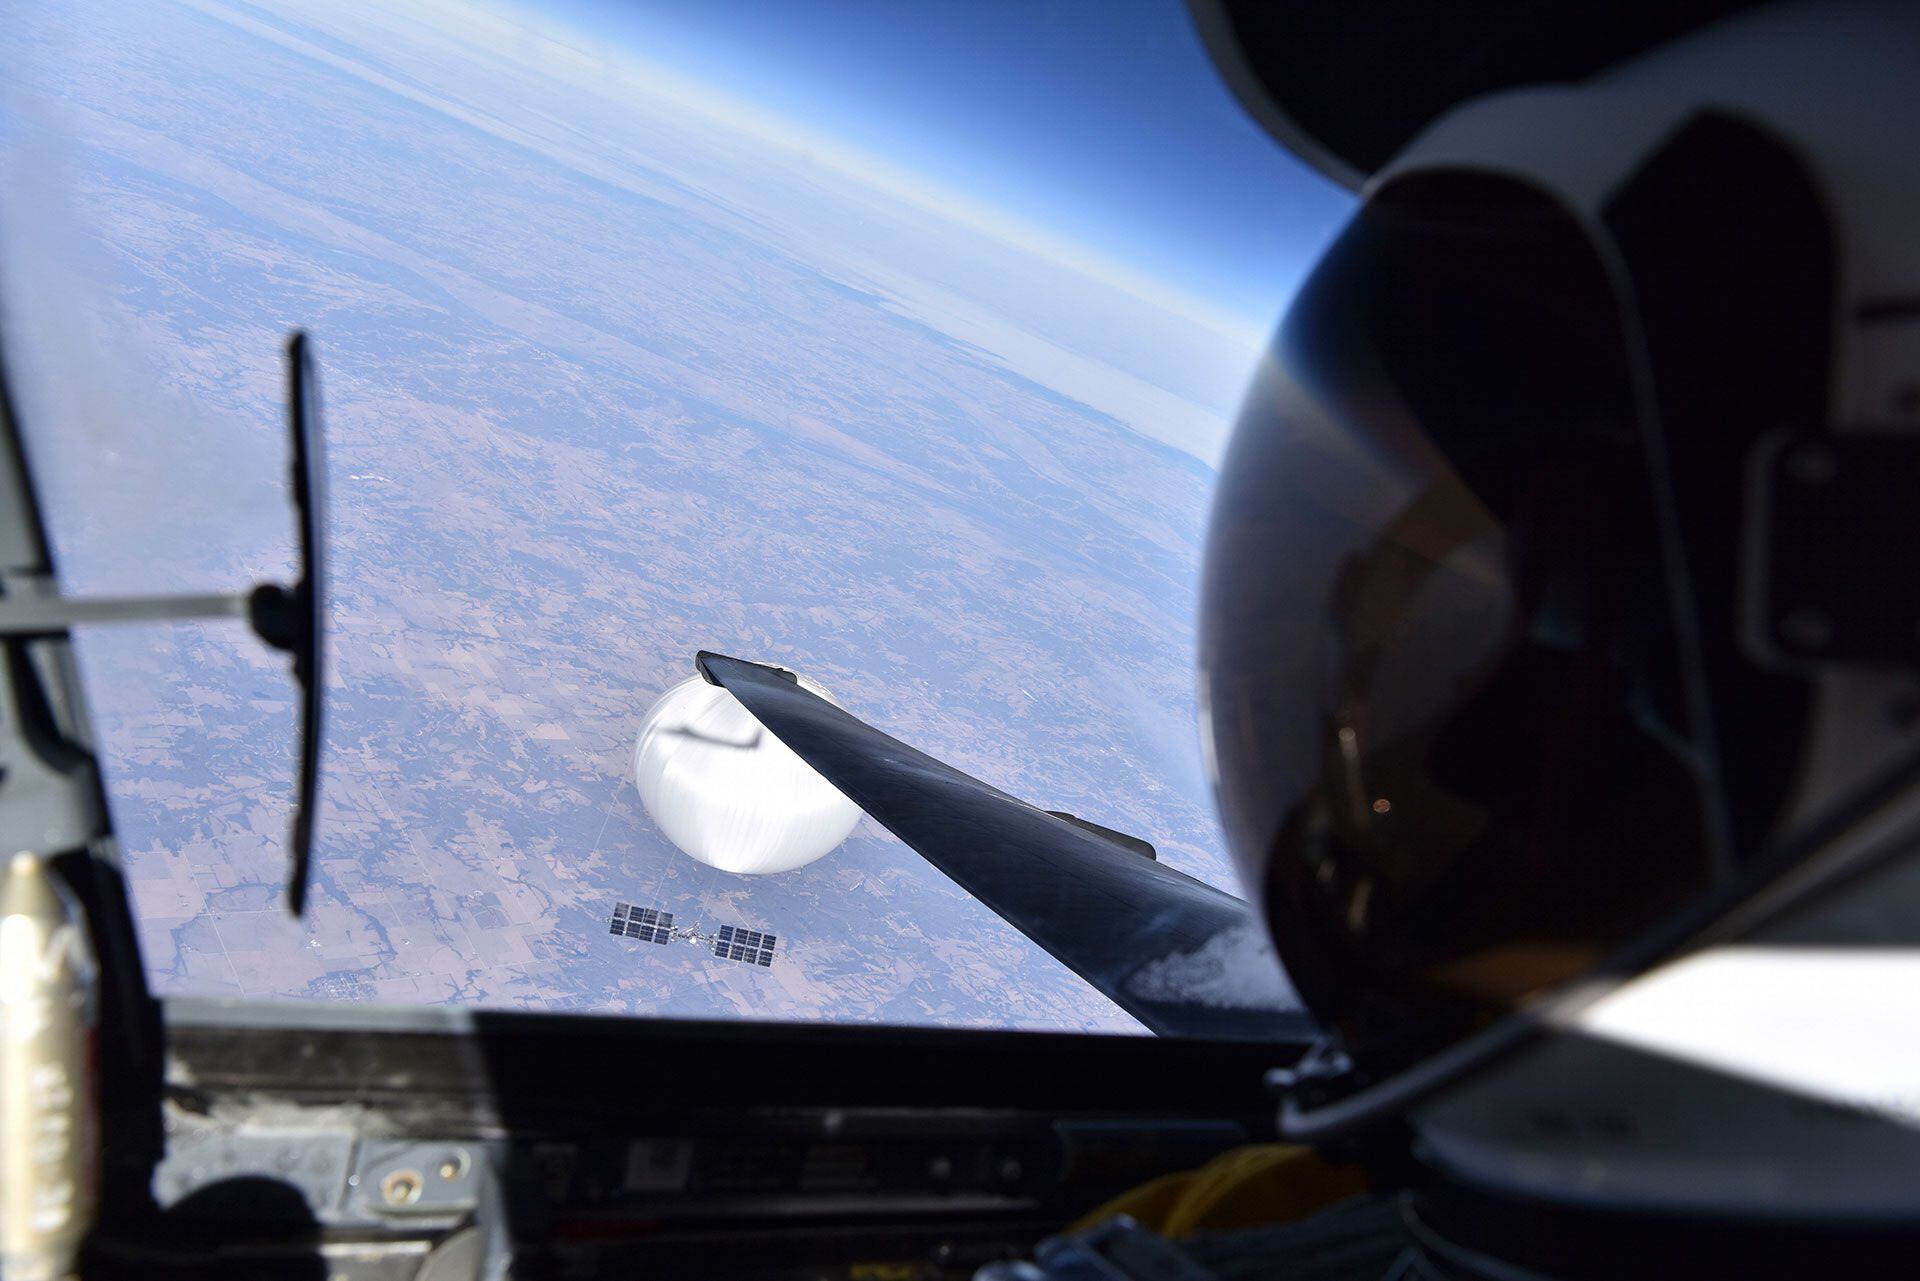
[1441, 670]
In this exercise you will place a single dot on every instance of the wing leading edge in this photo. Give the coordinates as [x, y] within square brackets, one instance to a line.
[1182, 957]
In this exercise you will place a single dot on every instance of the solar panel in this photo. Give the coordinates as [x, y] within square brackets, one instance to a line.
[736, 943]
[648, 924]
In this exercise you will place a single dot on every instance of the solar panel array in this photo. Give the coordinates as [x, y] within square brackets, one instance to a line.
[649, 925]
[734, 943]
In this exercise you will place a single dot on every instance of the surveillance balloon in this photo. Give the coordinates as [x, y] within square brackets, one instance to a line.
[727, 792]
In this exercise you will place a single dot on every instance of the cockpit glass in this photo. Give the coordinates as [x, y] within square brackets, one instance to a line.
[896, 345]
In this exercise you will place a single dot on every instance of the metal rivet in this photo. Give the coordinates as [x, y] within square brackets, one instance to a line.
[402, 1187]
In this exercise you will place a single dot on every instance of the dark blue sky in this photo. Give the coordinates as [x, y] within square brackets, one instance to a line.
[1101, 120]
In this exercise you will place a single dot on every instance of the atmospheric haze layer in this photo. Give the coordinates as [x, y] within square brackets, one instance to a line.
[616, 368]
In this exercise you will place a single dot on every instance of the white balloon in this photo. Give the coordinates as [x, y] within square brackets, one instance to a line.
[729, 793]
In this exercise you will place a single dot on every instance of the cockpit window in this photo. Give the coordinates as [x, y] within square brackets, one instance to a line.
[893, 345]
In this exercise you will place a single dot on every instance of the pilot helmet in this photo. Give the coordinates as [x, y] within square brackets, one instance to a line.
[1559, 628]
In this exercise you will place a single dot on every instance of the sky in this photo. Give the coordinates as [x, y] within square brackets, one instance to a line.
[1103, 123]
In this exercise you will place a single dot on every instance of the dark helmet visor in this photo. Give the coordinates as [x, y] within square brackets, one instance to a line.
[1441, 667]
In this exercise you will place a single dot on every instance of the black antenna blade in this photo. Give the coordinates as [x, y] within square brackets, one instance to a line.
[309, 496]
[293, 620]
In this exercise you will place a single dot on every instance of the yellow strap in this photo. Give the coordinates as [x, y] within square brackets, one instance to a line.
[1245, 1188]
[1149, 1204]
